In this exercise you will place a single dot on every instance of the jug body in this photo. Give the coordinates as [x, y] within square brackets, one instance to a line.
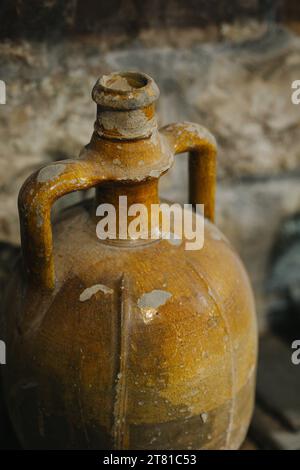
[128, 344]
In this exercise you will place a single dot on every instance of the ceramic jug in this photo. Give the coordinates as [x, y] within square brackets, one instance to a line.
[128, 343]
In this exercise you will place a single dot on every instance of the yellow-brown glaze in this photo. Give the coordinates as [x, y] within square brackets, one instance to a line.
[127, 345]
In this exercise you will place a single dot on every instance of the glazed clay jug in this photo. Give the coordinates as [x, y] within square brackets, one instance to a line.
[131, 343]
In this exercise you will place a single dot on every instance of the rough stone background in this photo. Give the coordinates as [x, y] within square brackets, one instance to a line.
[229, 68]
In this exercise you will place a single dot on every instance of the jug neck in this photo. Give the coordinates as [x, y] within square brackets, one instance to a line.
[126, 125]
[132, 206]
[127, 145]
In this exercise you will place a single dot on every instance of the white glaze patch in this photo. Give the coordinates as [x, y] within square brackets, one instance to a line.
[50, 172]
[149, 303]
[154, 299]
[90, 291]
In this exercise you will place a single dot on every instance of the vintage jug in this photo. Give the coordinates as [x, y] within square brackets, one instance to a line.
[127, 343]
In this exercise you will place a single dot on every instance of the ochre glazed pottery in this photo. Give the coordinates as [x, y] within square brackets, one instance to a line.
[128, 344]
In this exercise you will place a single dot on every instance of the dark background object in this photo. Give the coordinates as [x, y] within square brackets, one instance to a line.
[50, 19]
[8, 256]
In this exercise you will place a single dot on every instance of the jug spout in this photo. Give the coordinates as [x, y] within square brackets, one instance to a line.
[126, 142]
[125, 105]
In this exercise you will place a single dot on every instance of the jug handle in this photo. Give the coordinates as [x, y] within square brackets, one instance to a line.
[202, 148]
[36, 197]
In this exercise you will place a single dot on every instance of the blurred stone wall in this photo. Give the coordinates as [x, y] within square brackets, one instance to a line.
[52, 18]
[229, 68]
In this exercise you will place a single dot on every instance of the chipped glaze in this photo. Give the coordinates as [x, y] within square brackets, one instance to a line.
[88, 293]
[50, 173]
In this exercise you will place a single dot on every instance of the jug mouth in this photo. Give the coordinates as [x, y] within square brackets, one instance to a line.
[122, 82]
[125, 91]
